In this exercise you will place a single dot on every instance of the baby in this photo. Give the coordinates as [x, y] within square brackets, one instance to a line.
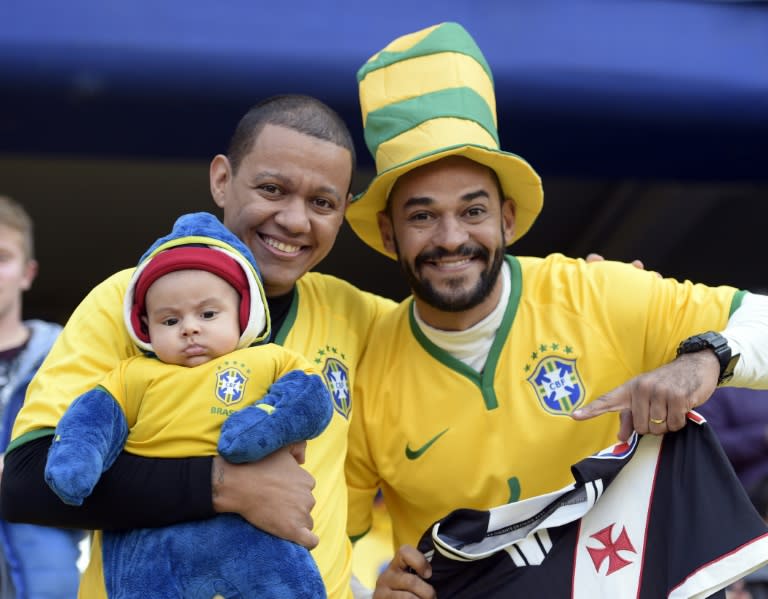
[196, 307]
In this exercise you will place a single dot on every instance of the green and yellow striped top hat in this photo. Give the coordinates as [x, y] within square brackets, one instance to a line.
[425, 96]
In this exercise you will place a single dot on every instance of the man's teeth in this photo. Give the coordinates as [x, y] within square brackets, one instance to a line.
[283, 247]
[452, 263]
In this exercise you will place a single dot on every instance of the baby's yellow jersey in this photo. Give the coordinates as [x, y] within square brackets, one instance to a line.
[436, 435]
[175, 412]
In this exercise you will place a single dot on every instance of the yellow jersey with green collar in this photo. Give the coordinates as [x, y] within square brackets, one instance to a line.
[436, 435]
[329, 324]
[175, 412]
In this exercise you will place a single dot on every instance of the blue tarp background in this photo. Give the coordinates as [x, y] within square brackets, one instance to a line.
[621, 88]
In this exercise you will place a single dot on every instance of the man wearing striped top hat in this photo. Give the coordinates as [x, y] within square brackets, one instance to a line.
[501, 369]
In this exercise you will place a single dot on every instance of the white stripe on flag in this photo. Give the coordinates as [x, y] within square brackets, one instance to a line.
[627, 498]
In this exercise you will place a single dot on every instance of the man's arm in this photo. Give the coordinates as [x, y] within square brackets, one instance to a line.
[274, 494]
[657, 401]
[135, 493]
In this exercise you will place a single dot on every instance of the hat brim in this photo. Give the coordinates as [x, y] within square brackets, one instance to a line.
[519, 182]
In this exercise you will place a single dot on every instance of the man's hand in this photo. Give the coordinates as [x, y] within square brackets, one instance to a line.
[657, 401]
[299, 451]
[398, 581]
[274, 494]
[593, 257]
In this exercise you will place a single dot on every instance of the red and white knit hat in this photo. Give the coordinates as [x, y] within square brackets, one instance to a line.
[227, 265]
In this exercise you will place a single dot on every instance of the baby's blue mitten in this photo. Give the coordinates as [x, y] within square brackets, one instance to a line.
[88, 439]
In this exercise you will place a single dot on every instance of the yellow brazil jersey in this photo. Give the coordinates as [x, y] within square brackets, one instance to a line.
[436, 435]
[329, 324]
[174, 411]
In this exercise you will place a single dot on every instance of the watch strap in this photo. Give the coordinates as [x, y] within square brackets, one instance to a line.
[719, 345]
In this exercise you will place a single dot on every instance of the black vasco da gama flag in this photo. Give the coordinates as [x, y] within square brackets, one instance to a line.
[658, 516]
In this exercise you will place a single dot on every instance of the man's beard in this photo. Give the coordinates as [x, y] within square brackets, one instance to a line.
[461, 300]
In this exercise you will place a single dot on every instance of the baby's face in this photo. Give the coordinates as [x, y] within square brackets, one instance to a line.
[192, 317]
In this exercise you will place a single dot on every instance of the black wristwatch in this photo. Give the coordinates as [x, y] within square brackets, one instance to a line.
[718, 344]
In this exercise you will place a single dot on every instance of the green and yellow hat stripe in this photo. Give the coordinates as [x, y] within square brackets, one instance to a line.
[428, 95]
[392, 127]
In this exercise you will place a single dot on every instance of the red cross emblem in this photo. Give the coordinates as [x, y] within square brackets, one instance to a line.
[610, 549]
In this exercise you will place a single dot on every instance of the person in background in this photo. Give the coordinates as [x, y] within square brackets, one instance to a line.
[38, 562]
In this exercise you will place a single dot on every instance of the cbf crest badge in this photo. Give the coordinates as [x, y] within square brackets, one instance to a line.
[336, 376]
[557, 382]
[230, 385]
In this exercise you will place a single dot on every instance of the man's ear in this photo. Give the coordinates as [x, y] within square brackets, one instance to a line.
[387, 232]
[30, 272]
[508, 219]
[348, 201]
[219, 175]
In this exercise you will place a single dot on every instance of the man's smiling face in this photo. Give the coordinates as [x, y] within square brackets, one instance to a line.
[286, 201]
[448, 227]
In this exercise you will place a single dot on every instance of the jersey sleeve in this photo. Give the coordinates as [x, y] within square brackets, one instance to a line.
[377, 307]
[672, 312]
[361, 310]
[115, 382]
[112, 384]
[644, 315]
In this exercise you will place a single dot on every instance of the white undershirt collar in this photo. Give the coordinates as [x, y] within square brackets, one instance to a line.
[471, 345]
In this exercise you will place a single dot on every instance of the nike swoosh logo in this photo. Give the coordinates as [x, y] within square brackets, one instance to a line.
[413, 454]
